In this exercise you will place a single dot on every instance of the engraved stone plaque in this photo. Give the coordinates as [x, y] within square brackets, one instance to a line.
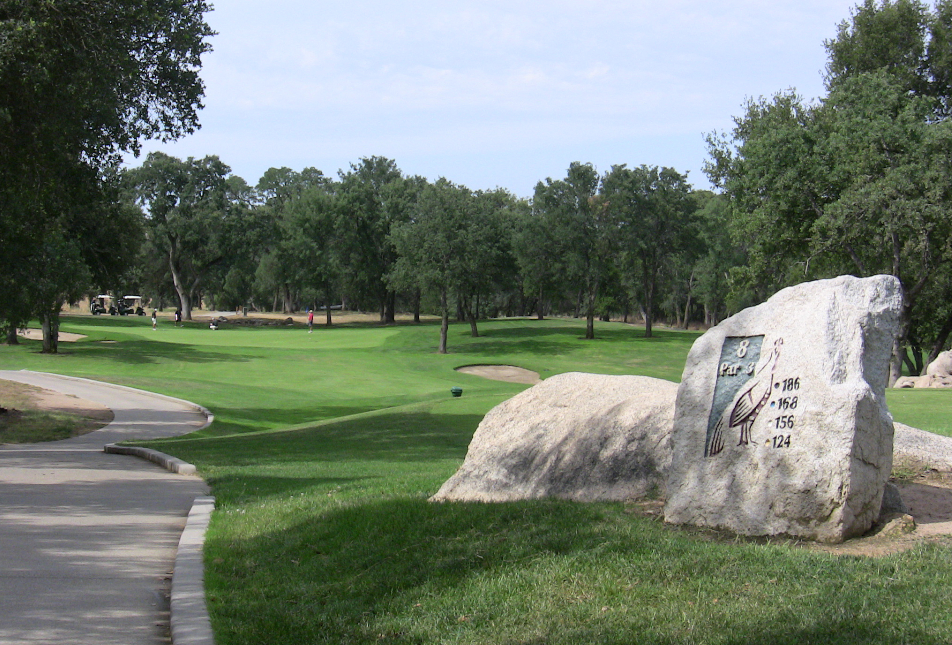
[781, 425]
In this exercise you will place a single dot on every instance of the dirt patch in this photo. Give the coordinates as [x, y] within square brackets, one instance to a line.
[61, 415]
[51, 401]
[927, 495]
[508, 373]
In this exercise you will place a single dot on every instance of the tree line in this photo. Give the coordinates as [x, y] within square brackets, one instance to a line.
[858, 181]
[633, 241]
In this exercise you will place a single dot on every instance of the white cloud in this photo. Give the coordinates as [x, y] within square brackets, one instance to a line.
[527, 79]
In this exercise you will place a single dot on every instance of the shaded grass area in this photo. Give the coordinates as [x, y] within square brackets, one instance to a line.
[329, 539]
[33, 426]
[326, 447]
[406, 571]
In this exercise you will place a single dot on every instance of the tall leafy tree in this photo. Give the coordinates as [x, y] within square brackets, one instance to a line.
[904, 39]
[194, 213]
[859, 181]
[431, 246]
[582, 224]
[536, 248]
[81, 82]
[373, 197]
[653, 210]
[487, 260]
[277, 265]
[309, 241]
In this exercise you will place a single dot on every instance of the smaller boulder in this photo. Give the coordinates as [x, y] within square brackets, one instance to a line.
[941, 366]
[892, 502]
[938, 374]
[584, 437]
[897, 525]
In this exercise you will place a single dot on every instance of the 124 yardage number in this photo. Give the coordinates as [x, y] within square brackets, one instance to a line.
[781, 441]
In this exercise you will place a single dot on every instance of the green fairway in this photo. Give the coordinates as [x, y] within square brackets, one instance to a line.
[325, 447]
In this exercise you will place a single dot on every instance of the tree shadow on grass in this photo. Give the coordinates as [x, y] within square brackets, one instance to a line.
[245, 489]
[409, 571]
[143, 352]
[548, 341]
[400, 436]
[615, 333]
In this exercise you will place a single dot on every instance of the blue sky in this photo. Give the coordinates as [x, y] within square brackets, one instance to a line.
[495, 93]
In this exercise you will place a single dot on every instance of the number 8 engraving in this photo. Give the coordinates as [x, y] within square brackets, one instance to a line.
[742, 348]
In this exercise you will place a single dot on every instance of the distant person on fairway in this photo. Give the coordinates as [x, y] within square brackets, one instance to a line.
[310, 320]
[178, 317]
[155, 313]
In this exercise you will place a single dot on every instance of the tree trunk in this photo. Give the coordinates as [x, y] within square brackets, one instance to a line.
[687, 306]
[391, 308]
[471, 316]
[916, 351]
[539, 306]
[590, 315]
[50, 321]
[899, 345]
[327, 320]
[185, 300]
[914, 370]
[649, 287]
[288, 301]
[444, 321]
[649, 317]
[417, 299]
[12, 335]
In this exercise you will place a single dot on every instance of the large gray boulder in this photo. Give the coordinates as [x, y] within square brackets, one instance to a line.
[781, 425]
[585, 437]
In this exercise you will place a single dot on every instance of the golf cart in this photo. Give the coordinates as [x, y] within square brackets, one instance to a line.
[131, 305]
[101, 304]
[124, 306]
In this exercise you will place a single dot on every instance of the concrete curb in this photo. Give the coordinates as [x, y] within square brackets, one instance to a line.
[190, 622]
[170, 463]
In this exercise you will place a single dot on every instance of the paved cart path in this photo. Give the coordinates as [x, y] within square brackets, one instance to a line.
[88, 539]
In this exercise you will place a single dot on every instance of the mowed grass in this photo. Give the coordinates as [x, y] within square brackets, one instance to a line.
[326, 446]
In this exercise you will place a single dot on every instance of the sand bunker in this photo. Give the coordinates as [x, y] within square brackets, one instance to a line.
[37, 334]
[508, 373]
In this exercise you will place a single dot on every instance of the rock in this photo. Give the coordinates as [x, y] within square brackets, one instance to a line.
[781, 425]
[897, 525]
[934, 381]
[941, 366]
[938, 374]
[925, 449]
[906, 382]
[576, 436]
[892, 502]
